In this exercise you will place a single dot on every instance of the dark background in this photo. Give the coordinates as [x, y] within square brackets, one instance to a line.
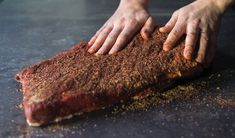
[32, 30]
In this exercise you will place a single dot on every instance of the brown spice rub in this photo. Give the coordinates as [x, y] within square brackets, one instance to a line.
[223, 101]
[75, 81]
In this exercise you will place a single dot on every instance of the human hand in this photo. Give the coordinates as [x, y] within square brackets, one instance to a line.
[130, 17]
[200, 22]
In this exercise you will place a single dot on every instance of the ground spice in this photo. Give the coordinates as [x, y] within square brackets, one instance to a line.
[180, 92]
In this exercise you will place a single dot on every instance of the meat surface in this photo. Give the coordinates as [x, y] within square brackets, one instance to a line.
[74, 81]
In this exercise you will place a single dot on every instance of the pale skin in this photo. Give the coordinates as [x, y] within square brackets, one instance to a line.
[199, 21]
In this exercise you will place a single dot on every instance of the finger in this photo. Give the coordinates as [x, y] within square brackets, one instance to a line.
[100, 40]
[170, 24]
[110, 40]
[126, 34]
[203, 46]
[92, 40]
[148, 28]
[174, 35]
[191, 39]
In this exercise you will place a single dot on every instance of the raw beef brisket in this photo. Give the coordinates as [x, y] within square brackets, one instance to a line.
[74, 81]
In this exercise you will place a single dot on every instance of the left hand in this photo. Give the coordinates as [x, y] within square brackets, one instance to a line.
[200, 22]
[130, 17]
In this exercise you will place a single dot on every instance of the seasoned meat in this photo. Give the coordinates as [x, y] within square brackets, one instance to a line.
[74, 81]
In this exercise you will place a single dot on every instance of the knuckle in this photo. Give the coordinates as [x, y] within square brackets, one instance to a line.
[122, 19]
[175, 13]
[169, 41]
[203, 23]
[97, 32]
[201, 56]
[205, 38]
[174, 34]
[169, 24]
[199, 59]
[192, 14]
[110, 26]
[99, 40]
[142, 14]
[103, 34]
[189, 49]
[95, 46]
[133, 22]
[151, 19]
[93, 37]
[112, 36]
[183, 17]
[181, 12]
[124, 36]
[194, 22]
[191, 35]
[100, 51]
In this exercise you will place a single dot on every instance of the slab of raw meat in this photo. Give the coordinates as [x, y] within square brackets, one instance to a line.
[74, 81]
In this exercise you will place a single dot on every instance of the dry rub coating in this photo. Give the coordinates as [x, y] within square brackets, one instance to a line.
[75, 81]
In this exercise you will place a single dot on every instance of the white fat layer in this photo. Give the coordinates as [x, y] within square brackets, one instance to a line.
[58, 119]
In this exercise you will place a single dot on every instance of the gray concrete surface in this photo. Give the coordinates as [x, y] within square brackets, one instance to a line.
[32, 30]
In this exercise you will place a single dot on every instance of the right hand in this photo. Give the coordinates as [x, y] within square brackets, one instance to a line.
[130, 17]
[200, 22]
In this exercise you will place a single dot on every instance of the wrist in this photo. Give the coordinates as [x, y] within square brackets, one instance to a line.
[135, 3]
[223, 5]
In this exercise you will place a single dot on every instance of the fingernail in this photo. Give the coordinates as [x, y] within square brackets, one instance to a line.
[188, 55]
[89, 43]
[96, 54]
[90, 50]
[111, 52]
[161, 29]
[166, 47]
[99, 53]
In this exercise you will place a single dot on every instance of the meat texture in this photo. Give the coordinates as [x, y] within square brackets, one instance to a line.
[74, 81]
